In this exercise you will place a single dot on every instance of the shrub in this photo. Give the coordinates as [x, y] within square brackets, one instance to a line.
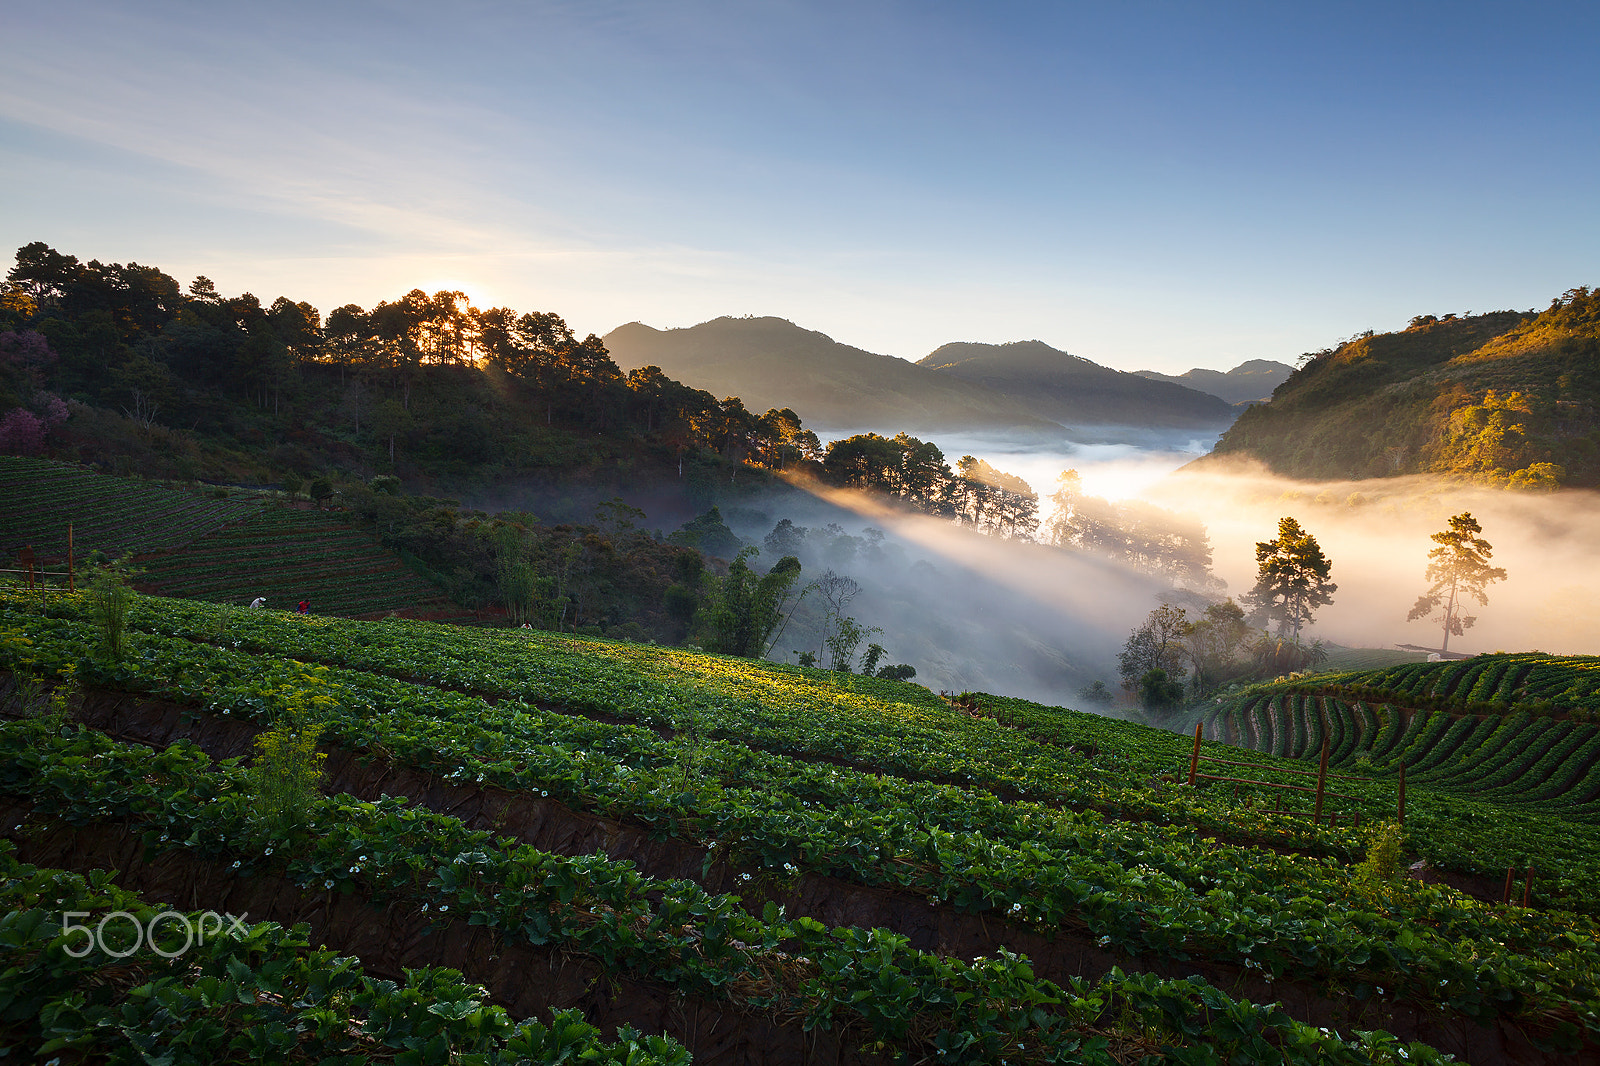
[1381, 872]
[1158, 692]
[287, 770]
[109, 601]
[21, 432]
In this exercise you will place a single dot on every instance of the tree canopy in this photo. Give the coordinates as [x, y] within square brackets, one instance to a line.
[1291, 579]
[1459, 568]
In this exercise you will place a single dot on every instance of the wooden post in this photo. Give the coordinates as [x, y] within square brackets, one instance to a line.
[1527, 887]
[1505, 897]
[1322, 780]
[25, 557]
[72, 582]
[1402, 793]
[1194, 760]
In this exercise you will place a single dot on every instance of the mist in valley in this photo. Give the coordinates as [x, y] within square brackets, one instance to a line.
[972, 611]
[1376, 532]
[969, 611]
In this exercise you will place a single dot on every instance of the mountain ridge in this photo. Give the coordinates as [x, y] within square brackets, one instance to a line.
[1033, 388]
[842, 387]
[1070, 389]
[1252, 381]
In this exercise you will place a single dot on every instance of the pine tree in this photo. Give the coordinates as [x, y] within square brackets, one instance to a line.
[1458, 567]
[1292, 579]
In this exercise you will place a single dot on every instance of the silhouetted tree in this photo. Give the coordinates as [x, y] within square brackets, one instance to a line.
[1157, 643]
[1458, 567]
[1291, 579]
[747, 607]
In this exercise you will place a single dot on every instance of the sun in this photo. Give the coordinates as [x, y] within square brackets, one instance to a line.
[475, 293]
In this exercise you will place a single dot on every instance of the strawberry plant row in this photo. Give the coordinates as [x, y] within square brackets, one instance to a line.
[1459, 836]
[288, 556]
[670, 931]
[252, 993]
[1166, 907]
[782, 710]
[113, 515]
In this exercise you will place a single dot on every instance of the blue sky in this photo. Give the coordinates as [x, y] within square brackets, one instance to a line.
[1158, 185]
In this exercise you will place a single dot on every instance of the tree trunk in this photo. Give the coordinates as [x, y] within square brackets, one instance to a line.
[1449, 617]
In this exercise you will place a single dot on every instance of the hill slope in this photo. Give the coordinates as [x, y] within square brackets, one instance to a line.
[1250, 381]
[771, 362]
[723, 794]
[1074, 391]
[1504, 398]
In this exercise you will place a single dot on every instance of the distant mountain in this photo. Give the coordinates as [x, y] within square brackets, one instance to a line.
[1250, 381]
[771, 362]
[1505, 398]
[1074, 391]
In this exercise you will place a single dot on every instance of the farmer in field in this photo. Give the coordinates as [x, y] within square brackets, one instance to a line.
[259, 601]
[305, 607]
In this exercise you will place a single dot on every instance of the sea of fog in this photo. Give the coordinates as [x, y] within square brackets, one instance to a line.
[1376, 532]
[973, 612]
[1123, 463]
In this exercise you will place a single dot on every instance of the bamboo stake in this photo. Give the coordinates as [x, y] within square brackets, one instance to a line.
[72, 583]
[1505, 897]
[1527, 887]
[1402, 793]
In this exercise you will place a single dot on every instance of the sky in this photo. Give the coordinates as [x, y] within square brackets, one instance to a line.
[1148, 185]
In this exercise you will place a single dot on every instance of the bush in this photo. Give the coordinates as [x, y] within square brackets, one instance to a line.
[1158, 692]
[1381, 872]
[21, 432]
[109, 601]
[287, 772]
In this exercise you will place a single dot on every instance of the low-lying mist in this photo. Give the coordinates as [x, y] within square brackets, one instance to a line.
[1376, 532]
[971, 611]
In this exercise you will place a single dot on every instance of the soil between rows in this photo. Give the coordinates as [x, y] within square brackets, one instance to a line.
[552, 826]
[1464, 882]
[528, 981]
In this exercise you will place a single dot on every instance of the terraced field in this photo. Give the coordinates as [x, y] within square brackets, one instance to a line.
[199, 547]
[292, 555]
[770, 864]
[39, 497]
[1516, 729]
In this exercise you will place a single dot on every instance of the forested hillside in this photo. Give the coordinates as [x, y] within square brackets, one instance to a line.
[1505, 398]
[396, 413]
[120, 365]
